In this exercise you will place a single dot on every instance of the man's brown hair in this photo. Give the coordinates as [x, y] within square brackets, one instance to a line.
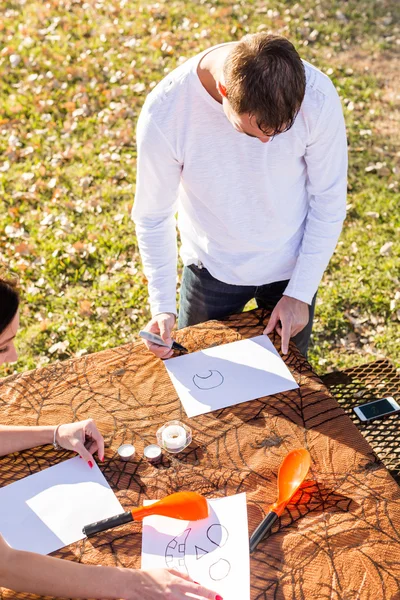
[264, 77]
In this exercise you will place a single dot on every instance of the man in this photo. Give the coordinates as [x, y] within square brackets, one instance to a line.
[257, 220]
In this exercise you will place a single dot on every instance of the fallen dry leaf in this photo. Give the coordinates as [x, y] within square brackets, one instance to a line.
[85, 308]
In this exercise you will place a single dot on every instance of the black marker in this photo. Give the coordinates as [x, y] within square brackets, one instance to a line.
[156, 339]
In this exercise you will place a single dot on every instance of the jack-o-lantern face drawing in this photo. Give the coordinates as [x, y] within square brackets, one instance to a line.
[216, 537]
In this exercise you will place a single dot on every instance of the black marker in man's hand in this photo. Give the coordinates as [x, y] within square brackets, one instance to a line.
[156, 339]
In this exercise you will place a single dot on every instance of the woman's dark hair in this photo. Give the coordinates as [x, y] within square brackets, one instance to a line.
[264, 77]
[9, 302]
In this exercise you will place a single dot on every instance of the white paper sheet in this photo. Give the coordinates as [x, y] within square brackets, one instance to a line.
[46, 511]
[214, 551]
[229, 374]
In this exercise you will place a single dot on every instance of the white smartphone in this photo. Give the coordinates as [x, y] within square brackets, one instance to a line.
[376, 409]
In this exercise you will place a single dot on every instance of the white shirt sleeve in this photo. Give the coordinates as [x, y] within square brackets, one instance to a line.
[158, 178]
[326, 160]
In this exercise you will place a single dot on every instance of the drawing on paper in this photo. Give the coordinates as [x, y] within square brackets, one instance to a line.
[175, 552]
[177, 549]
[219, 570]
[208, 382]
[229, 374]
[214, 551]
[218, 534]
[200, 552]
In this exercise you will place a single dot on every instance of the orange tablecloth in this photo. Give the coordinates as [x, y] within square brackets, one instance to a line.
[338, 541]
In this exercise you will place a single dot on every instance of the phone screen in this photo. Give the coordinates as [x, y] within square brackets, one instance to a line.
[376, 409]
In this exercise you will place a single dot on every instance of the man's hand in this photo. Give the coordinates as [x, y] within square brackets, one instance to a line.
[162, 325]
[288, 318]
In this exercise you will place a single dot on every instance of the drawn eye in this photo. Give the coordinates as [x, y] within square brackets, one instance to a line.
[208, 380]
[218, 534]
[220, 569]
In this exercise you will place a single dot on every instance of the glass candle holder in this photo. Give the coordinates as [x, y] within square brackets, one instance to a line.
[174, 436]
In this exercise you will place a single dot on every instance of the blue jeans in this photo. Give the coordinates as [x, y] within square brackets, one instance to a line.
[202, 297]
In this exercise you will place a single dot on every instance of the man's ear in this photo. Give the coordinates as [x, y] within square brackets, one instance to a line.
[222, 89]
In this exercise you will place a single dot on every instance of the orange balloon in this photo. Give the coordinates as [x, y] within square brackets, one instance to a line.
[291, 475]
[188, 506]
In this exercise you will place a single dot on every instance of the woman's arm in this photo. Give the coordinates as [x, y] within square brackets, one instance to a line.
[81, 437]
[43, 575]
[15, 438]
[47, 576]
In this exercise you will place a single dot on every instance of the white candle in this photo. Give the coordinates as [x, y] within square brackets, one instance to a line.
[126, 451]
[174, 437]
[152, 453]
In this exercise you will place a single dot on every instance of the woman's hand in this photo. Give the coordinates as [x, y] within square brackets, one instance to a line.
[163, 584]
[82, 437]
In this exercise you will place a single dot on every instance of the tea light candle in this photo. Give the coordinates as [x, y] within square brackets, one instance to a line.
[174, 437]
[152, 453]
[126, 452]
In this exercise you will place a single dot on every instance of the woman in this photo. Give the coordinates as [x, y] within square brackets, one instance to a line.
[28, 572]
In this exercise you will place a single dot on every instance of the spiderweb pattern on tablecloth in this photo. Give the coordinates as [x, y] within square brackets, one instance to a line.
[339, 538]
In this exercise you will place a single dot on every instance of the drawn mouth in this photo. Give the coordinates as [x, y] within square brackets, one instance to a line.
[175, 552]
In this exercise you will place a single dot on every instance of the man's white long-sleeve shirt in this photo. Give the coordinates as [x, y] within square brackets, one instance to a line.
[252, 213]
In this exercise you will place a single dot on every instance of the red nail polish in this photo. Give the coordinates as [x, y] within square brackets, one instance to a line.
[218, 597]
[90, 464]
[80, 457]
[196, 582]
[102, 458]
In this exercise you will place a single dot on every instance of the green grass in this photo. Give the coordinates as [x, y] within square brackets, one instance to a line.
[67, 163]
